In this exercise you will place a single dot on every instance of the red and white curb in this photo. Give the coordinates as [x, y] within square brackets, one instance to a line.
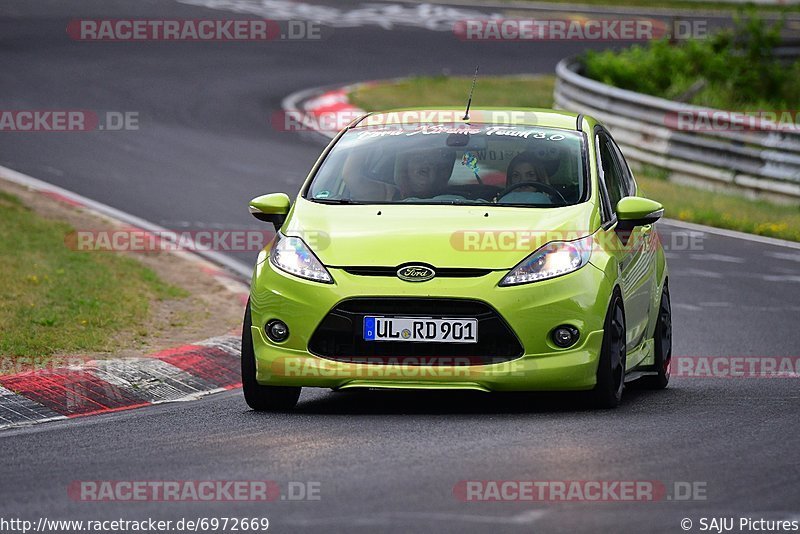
[107, 385]
[101, 386]
[321, 110]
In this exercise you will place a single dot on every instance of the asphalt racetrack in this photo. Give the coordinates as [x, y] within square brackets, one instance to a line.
[383, 461]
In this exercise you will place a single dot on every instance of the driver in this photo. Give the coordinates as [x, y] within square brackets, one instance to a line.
[526, 167]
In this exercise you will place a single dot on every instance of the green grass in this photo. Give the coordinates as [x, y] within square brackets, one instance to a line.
[681, 202]
[433, 91]
[671, 4]
[54, 300]
[722, 210]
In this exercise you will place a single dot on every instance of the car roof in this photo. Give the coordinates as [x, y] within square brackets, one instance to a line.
[548, 118]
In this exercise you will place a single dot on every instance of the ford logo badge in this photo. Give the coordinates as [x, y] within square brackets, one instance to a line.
[415, 273]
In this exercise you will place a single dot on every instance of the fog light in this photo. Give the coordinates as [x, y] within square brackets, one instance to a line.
[565, 336]
[277, 330]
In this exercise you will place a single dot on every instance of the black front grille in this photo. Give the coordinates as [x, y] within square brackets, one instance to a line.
[442, 272]
[340, 334]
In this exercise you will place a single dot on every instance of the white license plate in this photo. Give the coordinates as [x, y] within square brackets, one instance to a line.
[420, 329]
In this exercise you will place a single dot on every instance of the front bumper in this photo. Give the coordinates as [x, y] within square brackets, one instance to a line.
[531, 311]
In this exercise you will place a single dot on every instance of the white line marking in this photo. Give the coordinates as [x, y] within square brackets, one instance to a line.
[781, 278]
[716, 257]
[696, 273]
[386, 16]
[784, 256]
[733, 234]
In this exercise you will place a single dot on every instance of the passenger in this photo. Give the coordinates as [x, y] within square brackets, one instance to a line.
[363, 188]
[424, 174]
[418, 174]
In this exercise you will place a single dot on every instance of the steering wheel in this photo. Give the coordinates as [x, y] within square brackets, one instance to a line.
[549, 190]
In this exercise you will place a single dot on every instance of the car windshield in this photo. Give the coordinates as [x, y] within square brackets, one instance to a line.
[453, 164]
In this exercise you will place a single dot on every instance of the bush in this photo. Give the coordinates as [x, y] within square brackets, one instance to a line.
[735, 69]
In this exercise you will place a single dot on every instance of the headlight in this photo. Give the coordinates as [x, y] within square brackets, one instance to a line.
[291, 255]
[551, 260]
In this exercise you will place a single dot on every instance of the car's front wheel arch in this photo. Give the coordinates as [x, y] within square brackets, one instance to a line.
[611, 362]
[259, 397]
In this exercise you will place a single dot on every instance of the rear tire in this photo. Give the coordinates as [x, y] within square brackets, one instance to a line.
[261, 398]
[662, 345]
[607, 392]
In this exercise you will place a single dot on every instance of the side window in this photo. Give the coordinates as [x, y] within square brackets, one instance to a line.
[605, 206]
[612, 171]
[628, 183]
[606, 212]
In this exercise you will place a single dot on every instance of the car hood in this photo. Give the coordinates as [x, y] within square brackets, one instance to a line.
[485, 237]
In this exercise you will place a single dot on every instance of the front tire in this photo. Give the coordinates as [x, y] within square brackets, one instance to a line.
[663, 345]
[261, 398]
[607, 392]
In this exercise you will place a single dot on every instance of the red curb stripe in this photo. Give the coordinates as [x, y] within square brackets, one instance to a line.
[209, 363]
[338, 95]
[39, 386]
[331, 108]
[76, 392]
[71, 392]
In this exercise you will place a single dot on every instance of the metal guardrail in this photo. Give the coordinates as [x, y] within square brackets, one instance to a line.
[788, 50]
[763, 162]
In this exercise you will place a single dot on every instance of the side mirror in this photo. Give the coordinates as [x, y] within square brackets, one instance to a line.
[638, 211]
[271, 208]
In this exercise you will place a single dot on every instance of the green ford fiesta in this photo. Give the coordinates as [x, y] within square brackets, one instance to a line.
[504, 251]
